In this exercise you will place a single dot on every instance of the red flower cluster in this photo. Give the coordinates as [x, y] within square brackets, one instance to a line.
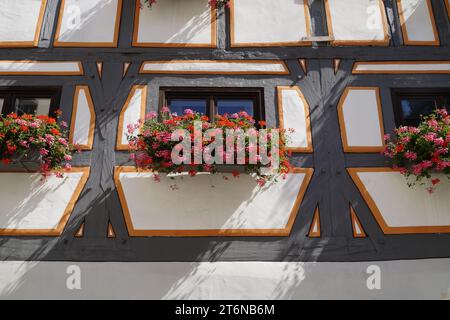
[423, 150]
[22, 135]
[151, 144]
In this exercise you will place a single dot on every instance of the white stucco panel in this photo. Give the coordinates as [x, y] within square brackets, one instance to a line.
[403, 67]
[222, 67]
[83, 118]
[208, 202]
[19, 20]
[133, 111]
[31, 204]
[88, 21]
[41, 67]
[402, 206]
[361, 116]
[295, 114]
[357, 20]
[268, 21]
[418, 23]
[175, 22]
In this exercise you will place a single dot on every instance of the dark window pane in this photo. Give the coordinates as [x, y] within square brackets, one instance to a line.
[179, 105]
[230, 106]
[413, 109]
[35, 106]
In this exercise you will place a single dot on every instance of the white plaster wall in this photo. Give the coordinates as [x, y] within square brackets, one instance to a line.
[133, 112]
[214, 67]
[295, 117]
[176, 22]
[418, 22]
[19, 20]
[357, 20]
[405, 66]
[90, 21]
[208, 202]
[411, 279]
[402, 206]
[268, 21]
[30, 204]
[362, 119]
[39, 66]
[82, 120]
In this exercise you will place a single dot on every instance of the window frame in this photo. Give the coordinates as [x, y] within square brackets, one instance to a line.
[10, 94]
[399, 94]
[214, 94]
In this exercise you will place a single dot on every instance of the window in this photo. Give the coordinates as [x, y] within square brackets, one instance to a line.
[213, 102]
[36, 101]
[411, 104]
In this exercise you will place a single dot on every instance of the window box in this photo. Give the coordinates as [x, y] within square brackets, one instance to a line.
[154, 147]
[37, 139]
[421, 152]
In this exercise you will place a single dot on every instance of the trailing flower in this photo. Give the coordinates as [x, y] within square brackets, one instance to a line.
[212, 3]
[21, 136]
[420, 151]
[151, 144]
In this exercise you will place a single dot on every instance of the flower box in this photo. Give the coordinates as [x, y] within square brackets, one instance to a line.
[170, 144]
[37, 140]
[422, 152]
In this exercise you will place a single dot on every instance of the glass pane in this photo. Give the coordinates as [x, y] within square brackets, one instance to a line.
[230, 106]
[412, 109]
[179, 105]
[36, 106]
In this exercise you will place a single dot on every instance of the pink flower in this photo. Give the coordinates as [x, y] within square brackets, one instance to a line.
[68, 157]
[188, 112]
[151, 115]
[410, 155]
[43, 152]
[439, 142]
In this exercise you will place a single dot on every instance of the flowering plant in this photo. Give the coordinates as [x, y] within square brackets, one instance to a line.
[152, 145]
[212, 3]
[420, 151]
[22, 135]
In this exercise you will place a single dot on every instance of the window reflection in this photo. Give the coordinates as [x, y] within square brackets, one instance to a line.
[234, 106]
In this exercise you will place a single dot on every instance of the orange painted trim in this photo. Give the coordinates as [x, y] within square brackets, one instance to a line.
[37, 33]
[360, 149]
[303, 65]
[80, 232]
[136, 43]
[111, 234]
[376, 212]
[356, 222]
[126, 66]
[285, 72]
[43, 73]
[384, 42]
[336, 64]
[309, 148]
[412, 63]
[285, 232]
[315, 222]
[99, 69]
[58, 43]
[406, 40]
[120, 128]
[235, 44]
[65, 217]
[447, 5]
[90, 143]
